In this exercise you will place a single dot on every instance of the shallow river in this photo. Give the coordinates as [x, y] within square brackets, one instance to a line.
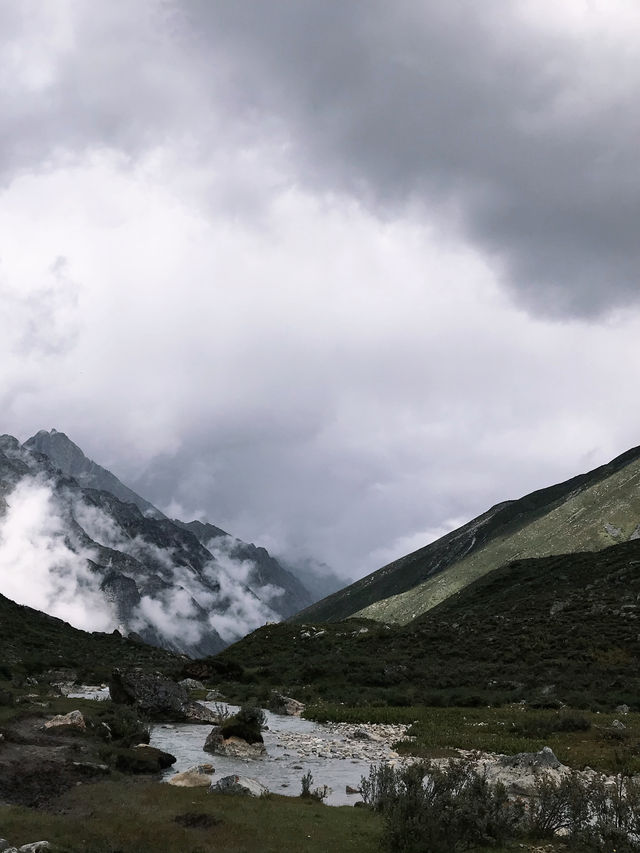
[294, 747]
[289, 742]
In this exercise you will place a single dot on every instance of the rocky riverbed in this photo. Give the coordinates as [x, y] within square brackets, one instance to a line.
[336, 755]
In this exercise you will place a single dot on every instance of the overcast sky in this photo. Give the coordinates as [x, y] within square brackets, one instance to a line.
[336, 275]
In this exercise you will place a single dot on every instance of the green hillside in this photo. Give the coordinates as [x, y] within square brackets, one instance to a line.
[588, 512]
[32, 642]
[562, 628]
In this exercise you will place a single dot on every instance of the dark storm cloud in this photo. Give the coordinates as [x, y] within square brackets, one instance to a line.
[525, 139]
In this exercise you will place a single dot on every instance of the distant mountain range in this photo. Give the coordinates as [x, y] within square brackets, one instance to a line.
[76, 542]
[586, 513]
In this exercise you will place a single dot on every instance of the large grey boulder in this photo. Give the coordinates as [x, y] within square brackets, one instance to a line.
[239, 785]
[159, 698]
[520, 773]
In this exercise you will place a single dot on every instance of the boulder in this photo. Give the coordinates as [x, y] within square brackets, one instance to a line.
[520, 773]
[285, 705]
[159, 698]
[35, 847]
[73, 721]
[195, 777]
[239, 785]
[232, 747]
[143, 759]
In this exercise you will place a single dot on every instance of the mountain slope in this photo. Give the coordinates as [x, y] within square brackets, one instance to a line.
[264, 570]
[590, 511]
[251, 566]
[550, 629]
[31, 641]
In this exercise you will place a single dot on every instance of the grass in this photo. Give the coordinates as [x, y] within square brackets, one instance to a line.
[578, 740]
[140, 818]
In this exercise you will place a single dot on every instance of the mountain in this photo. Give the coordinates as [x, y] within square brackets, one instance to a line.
[69, 459]
[265, 570]
[547, 630]
[76, 542]
[588, 512]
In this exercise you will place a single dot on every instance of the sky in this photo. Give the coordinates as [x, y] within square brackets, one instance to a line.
[335, 275]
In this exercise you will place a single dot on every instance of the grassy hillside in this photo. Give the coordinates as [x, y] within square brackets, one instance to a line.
[32, 642]
[560, 628]
[588, 512]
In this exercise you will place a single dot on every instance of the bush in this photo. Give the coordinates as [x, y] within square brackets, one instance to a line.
[246, 724]
[252, 716]
[307, 792]
[439, 809]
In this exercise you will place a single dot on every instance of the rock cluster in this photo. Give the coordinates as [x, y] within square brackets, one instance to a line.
[368, 742]
[33, 847]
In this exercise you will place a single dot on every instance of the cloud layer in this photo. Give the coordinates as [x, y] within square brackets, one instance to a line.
[335, 276]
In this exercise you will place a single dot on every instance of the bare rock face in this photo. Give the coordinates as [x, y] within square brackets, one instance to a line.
[159, 698]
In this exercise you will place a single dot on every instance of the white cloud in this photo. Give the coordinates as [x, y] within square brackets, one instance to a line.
[41, 567]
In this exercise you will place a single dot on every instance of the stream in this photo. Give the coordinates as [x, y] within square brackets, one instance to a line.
[294, 747]
[336, 754]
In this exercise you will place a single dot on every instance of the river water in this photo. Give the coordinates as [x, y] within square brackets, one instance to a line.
[294, 747]
[334, 754]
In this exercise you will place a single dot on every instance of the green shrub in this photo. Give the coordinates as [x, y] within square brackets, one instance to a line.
[426, 807]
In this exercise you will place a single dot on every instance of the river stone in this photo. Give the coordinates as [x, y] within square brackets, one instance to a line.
[66, 722]
[233, 747]
[195, 777]
[239, 785]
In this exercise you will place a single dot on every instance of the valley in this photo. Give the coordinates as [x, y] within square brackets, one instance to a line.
[511, 646]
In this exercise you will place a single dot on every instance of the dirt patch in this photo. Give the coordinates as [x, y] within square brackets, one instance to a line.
[35, 767]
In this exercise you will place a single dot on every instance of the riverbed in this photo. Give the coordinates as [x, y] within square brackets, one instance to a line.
[337, 754]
